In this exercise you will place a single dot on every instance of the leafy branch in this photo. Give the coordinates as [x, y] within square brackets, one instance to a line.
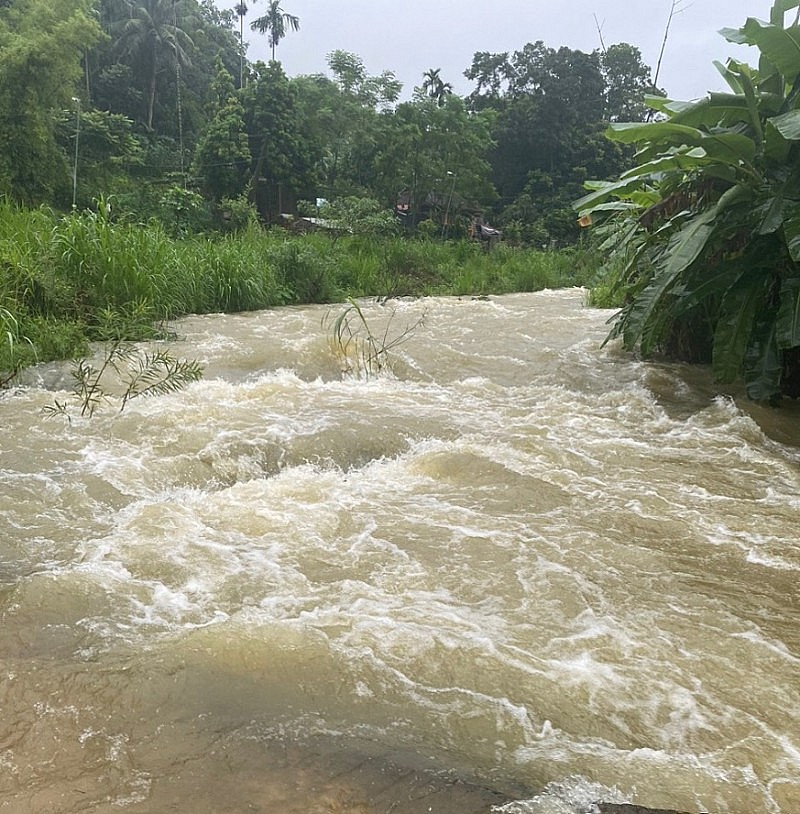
[141, 373]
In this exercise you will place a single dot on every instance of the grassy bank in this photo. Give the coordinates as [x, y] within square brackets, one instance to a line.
[69, 280]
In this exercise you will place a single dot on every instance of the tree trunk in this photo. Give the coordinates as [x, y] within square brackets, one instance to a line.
[151, 100]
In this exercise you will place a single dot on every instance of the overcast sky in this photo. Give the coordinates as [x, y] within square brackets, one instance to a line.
[411, 36]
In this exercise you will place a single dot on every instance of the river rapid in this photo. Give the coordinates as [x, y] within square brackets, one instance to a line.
[517, 571]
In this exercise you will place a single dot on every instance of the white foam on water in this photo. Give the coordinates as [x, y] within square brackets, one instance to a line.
[510, 551]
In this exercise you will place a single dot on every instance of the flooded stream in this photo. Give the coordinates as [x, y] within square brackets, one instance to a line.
[517, 572]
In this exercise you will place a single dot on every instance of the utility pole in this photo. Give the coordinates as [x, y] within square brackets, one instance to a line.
[75, 163]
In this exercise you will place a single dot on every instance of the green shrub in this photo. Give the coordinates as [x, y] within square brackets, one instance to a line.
[304, 271]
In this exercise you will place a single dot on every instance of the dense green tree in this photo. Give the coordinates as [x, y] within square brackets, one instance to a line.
[222, 158]
[241, 10]
[42, 43]
[179, 115]
[436, 156]
[214, 36]
[349, 116]
[275, 24]
[379, 92]
[283, 158]
[107, 153]
[552, 105]
[159, 89]
[627, 83]
[490, 72]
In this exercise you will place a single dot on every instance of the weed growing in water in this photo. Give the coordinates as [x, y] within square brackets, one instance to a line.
[10, 340]
[360, 350]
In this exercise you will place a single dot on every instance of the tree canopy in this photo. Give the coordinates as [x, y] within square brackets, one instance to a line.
[150, 100]
[42, 43]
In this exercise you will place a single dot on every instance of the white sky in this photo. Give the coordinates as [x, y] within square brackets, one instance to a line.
[411, 36]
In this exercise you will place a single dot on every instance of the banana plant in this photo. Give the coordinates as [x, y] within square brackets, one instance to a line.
[704, 230]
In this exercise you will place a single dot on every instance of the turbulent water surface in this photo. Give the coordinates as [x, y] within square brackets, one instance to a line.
[517, 571]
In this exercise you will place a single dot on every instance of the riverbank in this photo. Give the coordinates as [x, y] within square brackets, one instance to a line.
[67, 280]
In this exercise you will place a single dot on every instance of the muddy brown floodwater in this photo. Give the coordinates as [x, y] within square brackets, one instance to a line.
[519, 572]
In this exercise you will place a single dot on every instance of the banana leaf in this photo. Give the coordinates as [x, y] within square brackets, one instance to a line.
[788, 322]
[730, 147]
[740, 306]
[791, 231]
[689, 160]
[780, 46]
[787, 124]
[631, 132]
[729, 76]
[659, 103]
[714, 109]
[763, 369]
[734, 35]
[706, 285]
[684, 248]
[776, 147]
[602, 193]
[772, 215]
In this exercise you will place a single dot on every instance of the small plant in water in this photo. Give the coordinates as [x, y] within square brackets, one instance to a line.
[359, 349]
[10, 339]
[141, 373]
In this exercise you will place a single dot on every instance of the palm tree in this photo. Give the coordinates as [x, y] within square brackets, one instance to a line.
[152, 34]
[241, 9]
[275, 21]
[434, 86]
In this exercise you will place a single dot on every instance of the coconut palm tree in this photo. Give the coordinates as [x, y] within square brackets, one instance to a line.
[275, 23]
[151, 33]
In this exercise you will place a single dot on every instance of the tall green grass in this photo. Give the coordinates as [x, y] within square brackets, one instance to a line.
[67, 280]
